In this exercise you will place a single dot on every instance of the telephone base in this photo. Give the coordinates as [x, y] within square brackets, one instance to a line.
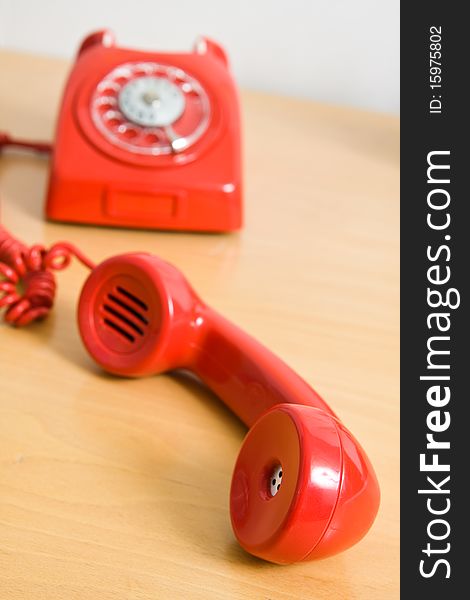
[148, 140]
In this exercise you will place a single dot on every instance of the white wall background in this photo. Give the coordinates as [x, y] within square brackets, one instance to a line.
[337, 51]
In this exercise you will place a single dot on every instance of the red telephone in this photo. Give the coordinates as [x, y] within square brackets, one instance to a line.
[148, 140]
[302, 487]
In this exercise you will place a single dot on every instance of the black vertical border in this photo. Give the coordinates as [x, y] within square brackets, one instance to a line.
[422, 132]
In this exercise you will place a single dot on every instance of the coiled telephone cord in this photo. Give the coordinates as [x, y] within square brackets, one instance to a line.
[27, 281]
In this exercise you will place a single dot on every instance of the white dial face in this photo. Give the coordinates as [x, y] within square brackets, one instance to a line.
[149, 108]
[151, 101]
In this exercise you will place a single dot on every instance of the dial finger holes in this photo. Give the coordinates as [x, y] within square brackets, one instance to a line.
[191, 93]
[151, 138]
[113, 118]
[114, 122]
[105, 107]
[275, 480]
[141, 69]
[127, 131]
[107, 100]
[108, 88]
[177, 75]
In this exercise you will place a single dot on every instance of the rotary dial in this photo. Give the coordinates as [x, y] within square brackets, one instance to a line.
[148, 108]
[151, 101]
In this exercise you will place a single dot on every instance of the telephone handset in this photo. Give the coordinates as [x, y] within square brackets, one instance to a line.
[302, 487]
[148, 139]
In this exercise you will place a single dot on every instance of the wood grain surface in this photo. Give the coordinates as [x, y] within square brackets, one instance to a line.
[118, 489]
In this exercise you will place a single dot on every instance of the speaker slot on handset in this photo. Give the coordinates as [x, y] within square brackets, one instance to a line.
[122, 310]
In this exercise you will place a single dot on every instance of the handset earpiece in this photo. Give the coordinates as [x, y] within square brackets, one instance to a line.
[302, 486]
[137, 315]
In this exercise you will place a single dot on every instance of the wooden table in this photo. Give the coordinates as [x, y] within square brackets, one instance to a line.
[118, 489]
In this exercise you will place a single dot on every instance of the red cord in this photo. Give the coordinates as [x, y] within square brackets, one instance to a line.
[27, 282]
[28, 287]
[7, 140]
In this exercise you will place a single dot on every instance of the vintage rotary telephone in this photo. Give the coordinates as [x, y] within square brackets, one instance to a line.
[302, 487]
[147, 139]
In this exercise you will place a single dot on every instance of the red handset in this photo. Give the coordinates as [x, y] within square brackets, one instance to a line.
[302, 486]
